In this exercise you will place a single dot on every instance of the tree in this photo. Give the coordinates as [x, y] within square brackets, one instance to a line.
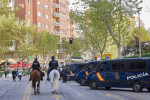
[132, 47]
[112, 14]
[4, 8]
[94, 32]
[73, 50]
[46, 45]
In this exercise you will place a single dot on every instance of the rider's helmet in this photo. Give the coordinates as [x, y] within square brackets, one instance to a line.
[53, 57]
[35, 58]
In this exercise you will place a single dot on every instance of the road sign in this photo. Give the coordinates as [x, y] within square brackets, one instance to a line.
[106, 56]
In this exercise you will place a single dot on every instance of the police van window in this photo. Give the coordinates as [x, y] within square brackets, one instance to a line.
[102, 67]
[81, 67]
[73, 67]
[137, 66]
[118, 66]
[90, 66]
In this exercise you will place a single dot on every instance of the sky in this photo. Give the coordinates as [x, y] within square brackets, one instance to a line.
[144, 14]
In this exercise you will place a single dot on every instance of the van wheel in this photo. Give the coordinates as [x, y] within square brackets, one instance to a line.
[93, 85]
[137, 87]
[82, 81]
[107, 88]
[148, 89]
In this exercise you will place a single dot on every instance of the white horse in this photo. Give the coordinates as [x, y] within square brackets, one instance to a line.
[54, 78]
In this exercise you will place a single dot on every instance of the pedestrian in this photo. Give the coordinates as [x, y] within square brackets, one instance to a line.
[64, 75]
[36, 66]
[5, 73]
[14, 74]
[19, 74]
[53, 64]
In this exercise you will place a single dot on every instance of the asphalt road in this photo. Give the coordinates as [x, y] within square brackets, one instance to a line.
[22, 90]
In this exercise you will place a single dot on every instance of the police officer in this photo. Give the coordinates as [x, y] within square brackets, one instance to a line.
[36, 66]
[53, 64]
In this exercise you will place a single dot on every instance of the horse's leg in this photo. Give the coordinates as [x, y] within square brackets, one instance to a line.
[57, 81]
[52, 80]
[38, 87]
[35, 90]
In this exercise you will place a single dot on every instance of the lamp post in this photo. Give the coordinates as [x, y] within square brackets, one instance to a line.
[139, 38]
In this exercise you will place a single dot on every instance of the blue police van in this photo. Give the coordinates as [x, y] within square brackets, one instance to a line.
[73, 69]
[125, 73]
[80, 77]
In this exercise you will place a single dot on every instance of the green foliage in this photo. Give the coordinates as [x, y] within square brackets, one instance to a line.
[75, 49]
[4, 8]
[46, 43]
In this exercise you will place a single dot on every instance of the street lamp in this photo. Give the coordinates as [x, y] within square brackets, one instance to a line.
[139, 38]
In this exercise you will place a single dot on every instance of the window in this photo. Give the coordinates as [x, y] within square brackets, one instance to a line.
[39, 24]
[38, 3]
[90, 66]
[102, 67]
[46, 16]
[118, 66]
[47, 27]
[46, 6]
[29, 12]
[137, 66]
[39, 14]
[81, 67]
[28, 1]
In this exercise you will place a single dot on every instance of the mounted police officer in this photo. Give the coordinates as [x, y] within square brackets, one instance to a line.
[36, 66]
[53, 64]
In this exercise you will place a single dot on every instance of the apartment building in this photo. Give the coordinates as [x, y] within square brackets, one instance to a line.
[49, 15]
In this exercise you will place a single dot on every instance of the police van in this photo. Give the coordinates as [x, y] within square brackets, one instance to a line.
[73, 69]
[125, 73]
[80, 77]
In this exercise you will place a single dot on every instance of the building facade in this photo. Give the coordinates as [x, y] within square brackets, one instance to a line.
[49, 15]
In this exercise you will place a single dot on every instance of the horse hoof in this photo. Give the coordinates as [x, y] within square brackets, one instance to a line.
[38, 92]
[34, 93]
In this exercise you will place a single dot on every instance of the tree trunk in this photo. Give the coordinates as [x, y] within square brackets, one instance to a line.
[119, 52]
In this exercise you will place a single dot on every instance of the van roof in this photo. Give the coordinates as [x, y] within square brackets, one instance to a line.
[77, 63]
[127, 59]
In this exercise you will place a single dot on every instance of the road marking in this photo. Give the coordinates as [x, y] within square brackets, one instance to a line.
[78, 94]
[110, 95]
[56, 96]
[26, 92]
[29, 93]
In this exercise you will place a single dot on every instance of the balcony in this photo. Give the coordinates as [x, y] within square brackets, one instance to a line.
[56, 24]
[12, 48]
[56, 33]
[55, 5]
[55, 14]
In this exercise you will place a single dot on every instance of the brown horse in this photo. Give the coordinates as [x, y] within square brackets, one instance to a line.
[35, 77]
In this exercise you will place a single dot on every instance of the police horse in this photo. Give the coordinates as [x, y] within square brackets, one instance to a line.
[54, 79]
[36, 77]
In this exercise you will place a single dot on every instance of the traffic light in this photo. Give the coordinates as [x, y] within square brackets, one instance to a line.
[95, 57]
[70, 40]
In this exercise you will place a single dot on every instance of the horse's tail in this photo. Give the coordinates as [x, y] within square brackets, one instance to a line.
[34, 80]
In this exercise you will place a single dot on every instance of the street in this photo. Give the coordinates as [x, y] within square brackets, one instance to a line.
[22, 90]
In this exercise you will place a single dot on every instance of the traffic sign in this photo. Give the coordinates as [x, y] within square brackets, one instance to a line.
[106, 56]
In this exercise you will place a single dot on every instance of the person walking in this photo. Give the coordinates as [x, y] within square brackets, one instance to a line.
[53, 64]
[19, 74]
[14, 74]
[64, 74]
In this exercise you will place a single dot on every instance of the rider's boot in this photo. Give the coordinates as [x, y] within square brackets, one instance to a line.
[41, 78]
[30, 78]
